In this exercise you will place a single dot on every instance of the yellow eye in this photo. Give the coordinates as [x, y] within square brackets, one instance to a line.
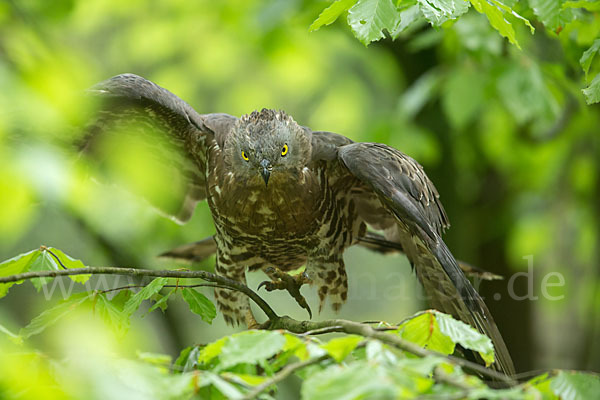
[284, 151]
[244, 155]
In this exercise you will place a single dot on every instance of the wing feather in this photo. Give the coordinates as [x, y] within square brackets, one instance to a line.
[404, 189]
[173, 132]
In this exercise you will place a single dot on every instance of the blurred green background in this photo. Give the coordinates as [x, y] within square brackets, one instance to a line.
[503, 133]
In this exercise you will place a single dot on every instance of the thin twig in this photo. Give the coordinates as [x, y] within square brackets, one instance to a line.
[44, 248]
[282, 374]
[167, 286]
[387, 326]
[321, 331]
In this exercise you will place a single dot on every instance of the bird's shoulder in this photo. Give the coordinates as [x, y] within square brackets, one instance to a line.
[325, 145]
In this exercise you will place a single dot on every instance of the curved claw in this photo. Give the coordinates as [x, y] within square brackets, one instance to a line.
[292, 284]
[307, 308]
[263, 283]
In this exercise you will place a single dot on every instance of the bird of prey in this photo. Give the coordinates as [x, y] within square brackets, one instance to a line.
[283, 196]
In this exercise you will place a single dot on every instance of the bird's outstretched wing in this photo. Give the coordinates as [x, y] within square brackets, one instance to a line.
[147, 117]
[393, 193]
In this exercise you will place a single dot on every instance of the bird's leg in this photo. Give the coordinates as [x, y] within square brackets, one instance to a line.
[251, 322]
[282, 281]
[233, 305]
[329, 277]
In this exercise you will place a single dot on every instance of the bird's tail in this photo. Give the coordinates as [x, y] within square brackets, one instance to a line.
[451, 292]
[193, 252]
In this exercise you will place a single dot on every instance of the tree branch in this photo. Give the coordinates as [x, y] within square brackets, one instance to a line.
[212, 285]
[275, 321]
[351, 327]
[207, 276]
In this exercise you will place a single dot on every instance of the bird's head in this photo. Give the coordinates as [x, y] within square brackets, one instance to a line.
[267, 145]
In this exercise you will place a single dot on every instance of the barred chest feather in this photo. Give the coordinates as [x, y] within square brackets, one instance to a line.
[287, 208]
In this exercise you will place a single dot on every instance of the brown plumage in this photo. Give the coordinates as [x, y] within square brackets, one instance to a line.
[284, 196]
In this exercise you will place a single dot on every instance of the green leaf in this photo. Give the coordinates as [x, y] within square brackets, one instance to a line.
[408, 16]
[360, 380]
[14, 266]
[12, 336]
[331, 13]
[592, 92]
[424, 331]
[496, 18]
[339, 348]
[588, 5]
[200, 304]
[495, 13]
[212, 350]
[293, 347]
[188, 359]
[147, 292]
[52, 315]
[38, 260]
[588, 56]
[551, 13]
[71, 263]
[112, 310]
[575, 386]
[542, 384]
[296, 346]
[244, 379]
[368, 19]
[376, 351]
[250, 347]
[439, 11]
[43, 262]
[512, 13]
[227, 389]
[422, 366]
[466, 336]
[162, 302]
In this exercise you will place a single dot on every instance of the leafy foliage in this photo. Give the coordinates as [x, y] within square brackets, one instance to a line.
[116, 310]
[552, 13]
[520, 139]
[146, 293]
[331, 13]
[42, 259]
[370, 19]
[246, 364]
[199, 304]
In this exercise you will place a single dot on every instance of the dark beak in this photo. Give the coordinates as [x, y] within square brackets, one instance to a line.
[266, 170]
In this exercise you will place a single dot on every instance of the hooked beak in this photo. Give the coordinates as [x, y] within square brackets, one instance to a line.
[266, 170]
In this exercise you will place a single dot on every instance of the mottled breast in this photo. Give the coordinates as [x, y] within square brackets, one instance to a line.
[286, 208]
